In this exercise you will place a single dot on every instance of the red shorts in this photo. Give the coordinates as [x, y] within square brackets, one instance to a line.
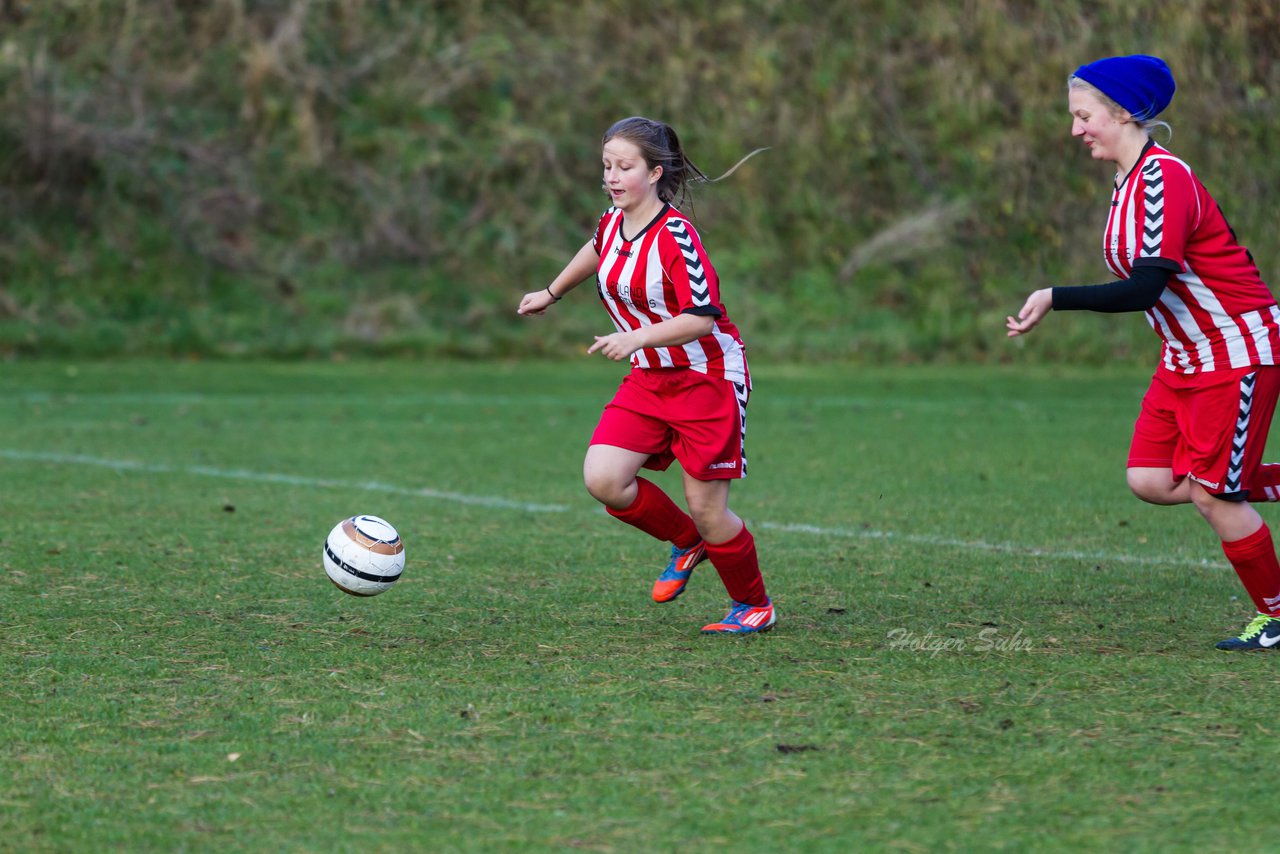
[1210, 427]
[679, 414]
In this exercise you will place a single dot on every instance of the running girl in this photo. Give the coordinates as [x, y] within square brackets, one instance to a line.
[685, 397]
[1203, 426]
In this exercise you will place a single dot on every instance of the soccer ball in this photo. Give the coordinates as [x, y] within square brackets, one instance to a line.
[363, 555]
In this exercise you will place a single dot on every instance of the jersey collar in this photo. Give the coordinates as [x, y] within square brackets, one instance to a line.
[1142, 155]
[666, 206]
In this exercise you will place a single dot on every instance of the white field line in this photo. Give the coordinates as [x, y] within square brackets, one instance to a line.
[510, 504]
[979, 545]
[288, 479]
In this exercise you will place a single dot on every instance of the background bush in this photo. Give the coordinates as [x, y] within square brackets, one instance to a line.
[354, 176]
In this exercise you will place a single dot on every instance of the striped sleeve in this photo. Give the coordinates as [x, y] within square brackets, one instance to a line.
[601, 228]
[689, 272]
[1168, 214]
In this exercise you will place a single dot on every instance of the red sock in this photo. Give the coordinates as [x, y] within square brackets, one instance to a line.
[739, 569]
[1254, 560]
[1265, 485]
[658, 516]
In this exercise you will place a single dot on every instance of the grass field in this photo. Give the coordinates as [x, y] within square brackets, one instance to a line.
[984, 641]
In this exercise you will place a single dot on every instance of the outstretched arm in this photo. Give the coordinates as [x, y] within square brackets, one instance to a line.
[583, 265]
[1139, 292]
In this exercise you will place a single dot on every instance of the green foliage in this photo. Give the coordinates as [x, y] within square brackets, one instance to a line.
[180, 676]
[357, 176]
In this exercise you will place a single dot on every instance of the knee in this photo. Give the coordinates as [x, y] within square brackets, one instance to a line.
[1142, 487]
[715, 522]
[710, 525]
[1205, 501]
[1152, 488]
[705, 514]
[604, 486]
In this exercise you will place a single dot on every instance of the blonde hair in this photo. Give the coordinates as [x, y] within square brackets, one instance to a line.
[1116, 111]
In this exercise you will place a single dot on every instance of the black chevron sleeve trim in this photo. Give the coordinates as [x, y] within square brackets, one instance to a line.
[1152, 209]
[699, 288]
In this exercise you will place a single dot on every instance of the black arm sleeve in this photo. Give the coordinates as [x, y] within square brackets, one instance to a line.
[1139, 292]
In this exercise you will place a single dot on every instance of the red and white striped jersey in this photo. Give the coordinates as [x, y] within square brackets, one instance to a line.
[1216, 312]
[658, 274]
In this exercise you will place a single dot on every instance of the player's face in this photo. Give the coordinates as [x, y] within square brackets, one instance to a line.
[627, 177]
[1093, 123]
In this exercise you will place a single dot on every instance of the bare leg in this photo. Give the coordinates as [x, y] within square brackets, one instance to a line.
[1156, 486]
[609, 473]
[730, 546]
[1230, 520]
[709, 506]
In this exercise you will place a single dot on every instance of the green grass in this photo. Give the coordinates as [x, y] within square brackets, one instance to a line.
[178, 674]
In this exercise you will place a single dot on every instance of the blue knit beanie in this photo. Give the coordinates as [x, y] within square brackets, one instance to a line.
[1141, 84]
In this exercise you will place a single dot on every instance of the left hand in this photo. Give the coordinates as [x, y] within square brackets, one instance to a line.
[617, 346]
[1033, 311]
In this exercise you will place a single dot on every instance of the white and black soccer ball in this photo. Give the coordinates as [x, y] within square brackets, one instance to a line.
[363, 555]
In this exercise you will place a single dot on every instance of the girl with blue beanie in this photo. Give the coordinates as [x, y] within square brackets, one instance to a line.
[1202, 429]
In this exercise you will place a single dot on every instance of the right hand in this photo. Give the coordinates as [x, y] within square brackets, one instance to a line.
[535, 302]
[1033, 311]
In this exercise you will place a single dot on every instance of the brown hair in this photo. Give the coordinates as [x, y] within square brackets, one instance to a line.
[659, 146]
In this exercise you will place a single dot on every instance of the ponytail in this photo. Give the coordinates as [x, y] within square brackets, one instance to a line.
[660, 146]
